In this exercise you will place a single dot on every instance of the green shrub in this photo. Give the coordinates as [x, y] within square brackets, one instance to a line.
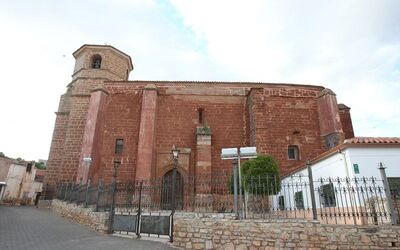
[261, 175]
[40, 165]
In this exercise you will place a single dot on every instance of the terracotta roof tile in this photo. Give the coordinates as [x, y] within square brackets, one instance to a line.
[355, 140]
[372, 140]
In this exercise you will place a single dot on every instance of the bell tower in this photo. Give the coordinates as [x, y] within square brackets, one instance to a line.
[79, 109]
[101, 62]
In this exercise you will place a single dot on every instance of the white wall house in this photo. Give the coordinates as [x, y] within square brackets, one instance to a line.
[19, 182]
[346, 181]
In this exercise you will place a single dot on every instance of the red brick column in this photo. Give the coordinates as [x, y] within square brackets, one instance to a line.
[345, 119]
[203, 161]
[329, 119]
[94, 118]
[147, 133]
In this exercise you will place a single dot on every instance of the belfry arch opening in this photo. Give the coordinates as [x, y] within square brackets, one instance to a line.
[96, 62]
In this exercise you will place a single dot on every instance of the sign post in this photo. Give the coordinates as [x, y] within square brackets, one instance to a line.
[236, 154]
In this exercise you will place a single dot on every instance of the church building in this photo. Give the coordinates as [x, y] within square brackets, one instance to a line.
[103, 117]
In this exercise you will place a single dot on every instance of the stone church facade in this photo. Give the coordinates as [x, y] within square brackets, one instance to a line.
[105, 117]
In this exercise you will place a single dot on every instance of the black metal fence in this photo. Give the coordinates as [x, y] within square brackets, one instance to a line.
[99, 196]
[337, 200]
[330, 200]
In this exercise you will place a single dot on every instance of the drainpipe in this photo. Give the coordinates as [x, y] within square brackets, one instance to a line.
[352, 198]
[345, 162]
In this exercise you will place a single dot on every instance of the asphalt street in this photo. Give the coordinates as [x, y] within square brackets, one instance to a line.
[34, 228]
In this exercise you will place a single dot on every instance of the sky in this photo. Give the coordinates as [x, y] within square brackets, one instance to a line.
[351, 47]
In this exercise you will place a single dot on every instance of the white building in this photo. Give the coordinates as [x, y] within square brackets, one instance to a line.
[20, 181]
[347, 182]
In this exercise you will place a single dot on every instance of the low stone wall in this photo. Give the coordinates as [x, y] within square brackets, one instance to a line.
[44, 204]
[219, 232]
[85, 216]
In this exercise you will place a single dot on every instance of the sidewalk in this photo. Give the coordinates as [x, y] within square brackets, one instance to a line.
[40, 229]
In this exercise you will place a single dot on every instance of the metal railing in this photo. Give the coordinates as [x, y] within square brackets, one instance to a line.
[331, 200]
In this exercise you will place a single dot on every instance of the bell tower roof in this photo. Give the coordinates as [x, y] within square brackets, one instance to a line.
[95, 46]
[101, 62]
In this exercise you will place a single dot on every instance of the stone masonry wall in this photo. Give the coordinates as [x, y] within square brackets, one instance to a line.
[198, 232]
[279, 120]
[84, 216]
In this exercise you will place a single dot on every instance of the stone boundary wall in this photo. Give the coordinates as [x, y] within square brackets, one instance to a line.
[219, 232]
[44, 204]
[222, 231]
[85, 216]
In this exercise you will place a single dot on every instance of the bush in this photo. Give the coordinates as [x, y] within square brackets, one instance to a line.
[261, 175]
[40, 165]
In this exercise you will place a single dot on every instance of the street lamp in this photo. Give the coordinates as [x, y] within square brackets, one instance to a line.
[236, 154]
[175, 155]
[116, 164]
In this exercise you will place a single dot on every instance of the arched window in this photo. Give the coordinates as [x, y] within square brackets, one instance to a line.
[96, 62]
[200, 114]
[293, 152]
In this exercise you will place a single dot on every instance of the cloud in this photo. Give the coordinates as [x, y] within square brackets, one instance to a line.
[351, 47]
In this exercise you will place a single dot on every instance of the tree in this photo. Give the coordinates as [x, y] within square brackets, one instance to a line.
[261, 176]
[40, 165]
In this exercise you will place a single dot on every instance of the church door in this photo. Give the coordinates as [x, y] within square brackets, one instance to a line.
[166, 191]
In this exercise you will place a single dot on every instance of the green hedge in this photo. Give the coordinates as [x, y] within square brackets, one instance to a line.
[260, 176]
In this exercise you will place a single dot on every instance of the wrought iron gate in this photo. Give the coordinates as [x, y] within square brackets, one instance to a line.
[139, 224]
[141, 207]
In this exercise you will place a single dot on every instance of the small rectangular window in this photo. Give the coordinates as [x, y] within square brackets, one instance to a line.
[293, 153]
[119, 146]
[298, 198]
[328, 198]
[200, 113]
[281, 202]
[394, 186]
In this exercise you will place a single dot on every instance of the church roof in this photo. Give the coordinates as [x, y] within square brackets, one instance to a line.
[175, 82]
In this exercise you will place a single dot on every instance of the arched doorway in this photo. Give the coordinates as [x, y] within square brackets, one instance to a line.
[166, 191]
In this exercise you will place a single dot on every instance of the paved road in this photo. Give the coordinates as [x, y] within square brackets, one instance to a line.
[33, 228]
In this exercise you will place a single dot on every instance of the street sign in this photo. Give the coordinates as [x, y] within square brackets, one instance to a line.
[229, 153]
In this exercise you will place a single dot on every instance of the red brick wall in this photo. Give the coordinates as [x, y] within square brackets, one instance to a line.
[272, 118]
[177, 119]
[121, 121]
[283, 118]
[345, 119]
[269, 116]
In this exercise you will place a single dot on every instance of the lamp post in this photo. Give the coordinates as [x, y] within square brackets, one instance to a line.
[393, 215]
[175, 155]
[236, 154]
[116, 164]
